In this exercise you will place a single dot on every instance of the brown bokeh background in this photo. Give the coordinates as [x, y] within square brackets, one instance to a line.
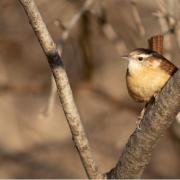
[36, 145]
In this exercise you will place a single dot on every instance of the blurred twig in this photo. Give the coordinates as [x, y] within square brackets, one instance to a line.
[109, 31]
[137, 18]
[85, 43]
[23, 88]
[177, 33]
[64, 90]
[158, 117]
[65, 35]
[168, 19]
[69, 26]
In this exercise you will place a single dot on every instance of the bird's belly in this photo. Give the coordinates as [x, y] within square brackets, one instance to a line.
[142, 86]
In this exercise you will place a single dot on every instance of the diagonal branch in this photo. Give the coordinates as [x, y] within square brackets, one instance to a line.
[85, 7]
[48, 110]
[64, 90]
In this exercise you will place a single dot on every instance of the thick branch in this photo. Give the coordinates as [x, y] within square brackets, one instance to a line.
[158, 117]
[64, 90]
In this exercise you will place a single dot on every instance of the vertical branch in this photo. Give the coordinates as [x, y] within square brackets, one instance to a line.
[109, 31]
[177, 33]
[137, 18]
[64, 90]
[65, 35]
[67, 28]
[167, 23]
[177, 27]
[85, 44]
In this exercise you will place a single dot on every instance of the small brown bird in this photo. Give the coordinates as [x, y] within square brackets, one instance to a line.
[147, 73]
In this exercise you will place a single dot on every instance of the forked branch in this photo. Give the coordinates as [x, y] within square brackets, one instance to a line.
[64, 90]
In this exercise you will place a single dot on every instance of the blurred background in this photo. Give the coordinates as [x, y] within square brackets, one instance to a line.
[35, 140]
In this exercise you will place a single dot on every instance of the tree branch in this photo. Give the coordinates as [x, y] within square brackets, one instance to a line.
[48, 110]
[64, 90]
[137, 18]
[109, 31]
[85, 7]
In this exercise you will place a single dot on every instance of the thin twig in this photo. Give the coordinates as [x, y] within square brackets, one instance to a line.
[87, 4]
[177, 27]
[177, 33]
[64, 90]
[137, 18]
[167, 23]
[48, 110]
[86, 47]
[109, 31]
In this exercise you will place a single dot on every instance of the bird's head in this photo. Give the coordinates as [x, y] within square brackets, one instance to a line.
[140, 59]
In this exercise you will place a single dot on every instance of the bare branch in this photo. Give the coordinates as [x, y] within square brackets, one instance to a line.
[177, 33]
[176, 127]
[137, 18]
[167, 22]
[158, 117]
[87, 4]
[64, 90]
[109, 31]
[48, 110]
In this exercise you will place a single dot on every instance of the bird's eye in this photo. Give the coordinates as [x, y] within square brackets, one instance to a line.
[140, 58]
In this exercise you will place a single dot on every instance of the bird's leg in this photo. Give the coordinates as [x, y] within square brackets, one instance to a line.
[140, 117]
[154, 96]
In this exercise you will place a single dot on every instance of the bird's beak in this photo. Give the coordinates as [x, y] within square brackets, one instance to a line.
[125, 57]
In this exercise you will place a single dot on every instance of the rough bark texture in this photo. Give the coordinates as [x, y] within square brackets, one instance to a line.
[64, 90]
[158, 117]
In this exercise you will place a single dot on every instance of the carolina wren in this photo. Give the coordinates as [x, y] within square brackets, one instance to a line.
[147, 73]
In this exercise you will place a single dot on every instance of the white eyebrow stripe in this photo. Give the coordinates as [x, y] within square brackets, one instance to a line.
[144, 55]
